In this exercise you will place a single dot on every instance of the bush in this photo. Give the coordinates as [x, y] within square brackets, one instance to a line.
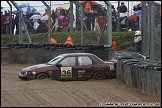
[124, 39]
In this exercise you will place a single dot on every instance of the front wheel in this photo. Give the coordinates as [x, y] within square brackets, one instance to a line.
[99, 75]
[41, 76]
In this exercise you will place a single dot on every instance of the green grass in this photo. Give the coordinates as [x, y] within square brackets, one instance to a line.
[124, 39]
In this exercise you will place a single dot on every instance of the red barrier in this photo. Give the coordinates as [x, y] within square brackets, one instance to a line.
[101, 21]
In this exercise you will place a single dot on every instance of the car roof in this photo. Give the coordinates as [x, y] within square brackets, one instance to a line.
[67, 54]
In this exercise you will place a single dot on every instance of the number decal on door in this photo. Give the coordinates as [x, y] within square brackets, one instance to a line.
[66, 72]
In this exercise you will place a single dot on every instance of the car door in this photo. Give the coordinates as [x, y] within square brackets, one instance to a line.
[86, 67]
[68, 70]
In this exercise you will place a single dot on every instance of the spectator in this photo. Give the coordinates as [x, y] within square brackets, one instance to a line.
[160, 12]
[33, 13]
[1, 14]
[46, 12]
[136, 22]
[7, 22]
[2, 23]
[54, 16]
[137, 42]
[137, 7]
[93, 19]
[32, 20]
[123, 20]
[122, 8]
[65, 23]
[53, 41]
[6, 14]
[102, 12]
[114, 16]
[69, 40]
[16, 22]
[13, 25]
[28, 15]
[88, 15]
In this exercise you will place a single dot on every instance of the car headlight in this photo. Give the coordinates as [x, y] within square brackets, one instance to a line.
[111, 67]
[33, 72]
[29, 73]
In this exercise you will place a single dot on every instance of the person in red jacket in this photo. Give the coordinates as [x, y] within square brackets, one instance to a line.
[113, 43]
[69, 40]
[53, 41]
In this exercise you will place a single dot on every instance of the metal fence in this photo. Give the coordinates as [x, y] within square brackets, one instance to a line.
[151, 30]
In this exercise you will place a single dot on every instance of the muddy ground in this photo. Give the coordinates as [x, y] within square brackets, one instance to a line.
[53, 93]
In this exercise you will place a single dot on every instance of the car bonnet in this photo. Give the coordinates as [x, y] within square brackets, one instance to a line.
[35, 67]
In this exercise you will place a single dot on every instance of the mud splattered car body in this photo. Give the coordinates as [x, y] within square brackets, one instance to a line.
[71, 66]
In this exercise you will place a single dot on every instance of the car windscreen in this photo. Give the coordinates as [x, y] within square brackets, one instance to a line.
[55, 60]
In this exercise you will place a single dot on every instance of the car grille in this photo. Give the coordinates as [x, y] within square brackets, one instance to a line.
[23, 72]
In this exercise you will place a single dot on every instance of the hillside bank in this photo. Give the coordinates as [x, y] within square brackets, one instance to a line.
[124, 39]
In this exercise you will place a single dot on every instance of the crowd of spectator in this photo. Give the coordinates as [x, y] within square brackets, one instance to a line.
[61, 20]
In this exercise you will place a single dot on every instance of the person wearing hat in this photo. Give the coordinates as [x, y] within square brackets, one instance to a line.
[69, 40]
[53, 41]
[137, 44]
[122, 8]
[114, 43]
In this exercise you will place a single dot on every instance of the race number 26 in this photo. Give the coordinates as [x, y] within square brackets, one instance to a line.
[66, 72]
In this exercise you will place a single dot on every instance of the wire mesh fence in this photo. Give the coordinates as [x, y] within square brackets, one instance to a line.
[151, 30]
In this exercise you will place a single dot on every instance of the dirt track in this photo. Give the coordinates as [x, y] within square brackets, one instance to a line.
[53, 93]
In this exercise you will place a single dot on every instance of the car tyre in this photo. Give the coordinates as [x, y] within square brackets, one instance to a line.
[41, 76]
[99, 75]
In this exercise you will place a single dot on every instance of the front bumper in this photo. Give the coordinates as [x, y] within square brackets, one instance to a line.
[24, 77]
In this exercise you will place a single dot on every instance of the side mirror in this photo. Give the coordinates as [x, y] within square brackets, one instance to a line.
[59, 65]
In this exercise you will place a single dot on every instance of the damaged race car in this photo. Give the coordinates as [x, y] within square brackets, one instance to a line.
[71, 66]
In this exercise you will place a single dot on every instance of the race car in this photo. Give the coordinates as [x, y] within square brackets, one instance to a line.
[71, 66]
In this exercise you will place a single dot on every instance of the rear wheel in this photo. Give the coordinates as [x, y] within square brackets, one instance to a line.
[41, 76]
[99, 75]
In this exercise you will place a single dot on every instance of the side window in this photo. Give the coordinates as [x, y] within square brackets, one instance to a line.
[69, 61]
[84, 60]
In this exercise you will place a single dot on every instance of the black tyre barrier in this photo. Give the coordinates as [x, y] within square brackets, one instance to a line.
[82, 45]
[43, 45]
[98, 46]
[61, 45]
[120, 69]
[136, 71]
[9, 45]
[15, 44]
[71, 48]
[30, 45]
[80, 48]
[48, 44]
[127, 68]
[78, 45]
[18, 47]
[39, 46]
[47, 47]
[53, 48]
[65, 45]
[57, 45]
[158, 80]
[5, 48]
[87, 48]
[35, 46]
[26, 45]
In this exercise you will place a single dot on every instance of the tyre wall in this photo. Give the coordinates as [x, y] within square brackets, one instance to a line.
[135, 70]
